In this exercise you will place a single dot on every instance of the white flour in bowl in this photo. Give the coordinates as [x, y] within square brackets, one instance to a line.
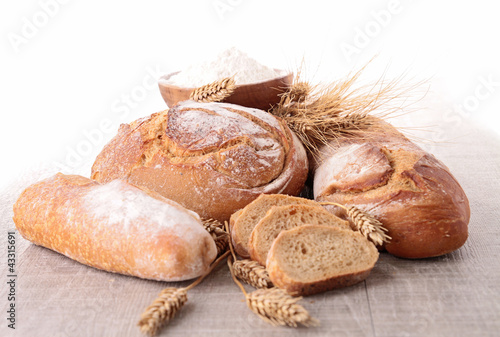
[231, 62]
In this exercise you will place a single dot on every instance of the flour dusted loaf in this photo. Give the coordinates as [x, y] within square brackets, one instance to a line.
[212, 158]
[310, 259]
[412, 193]
[115, 227]
[280, 218]
[244, 221]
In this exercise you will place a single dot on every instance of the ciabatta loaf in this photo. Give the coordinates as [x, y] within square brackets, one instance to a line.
[412, 193]
[245, 221]
[280, 218]
[115, 227]
[212, 158]
[311, 259]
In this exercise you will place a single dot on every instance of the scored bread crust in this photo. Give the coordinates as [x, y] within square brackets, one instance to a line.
[412, 193]
[115, 227]
[282, 275]
[280, 218]
[245, 220]
[212, 158]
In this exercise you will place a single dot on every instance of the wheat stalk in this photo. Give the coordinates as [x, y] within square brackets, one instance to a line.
[162, 310]
[168, 303]
[279, 308]
[274, 305]
[215, 91]
[216, 229]
[252, 273]
[365, 223]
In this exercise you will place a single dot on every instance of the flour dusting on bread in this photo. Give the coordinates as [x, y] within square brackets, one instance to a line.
[118, 202]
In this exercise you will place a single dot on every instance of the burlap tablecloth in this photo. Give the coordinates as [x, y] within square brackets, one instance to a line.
[453, 295]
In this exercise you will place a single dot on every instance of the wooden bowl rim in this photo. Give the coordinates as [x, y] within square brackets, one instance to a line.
[172, 86]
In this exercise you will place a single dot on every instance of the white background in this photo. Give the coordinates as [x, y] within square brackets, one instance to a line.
[72, 71]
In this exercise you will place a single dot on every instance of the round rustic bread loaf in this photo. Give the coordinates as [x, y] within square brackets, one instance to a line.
[212, 158]
[412, 193]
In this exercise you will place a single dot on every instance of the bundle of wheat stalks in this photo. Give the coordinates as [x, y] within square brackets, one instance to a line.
[320, 114]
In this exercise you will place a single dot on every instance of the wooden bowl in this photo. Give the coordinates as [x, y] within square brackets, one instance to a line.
[260, 95]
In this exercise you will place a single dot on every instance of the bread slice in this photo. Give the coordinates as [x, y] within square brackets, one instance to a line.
[244, 222]
[280, 218]
[233, 218]
[314, 258]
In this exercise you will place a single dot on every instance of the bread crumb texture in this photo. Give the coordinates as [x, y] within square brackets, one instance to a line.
[280, 218]
[315, 258]
[245, 221]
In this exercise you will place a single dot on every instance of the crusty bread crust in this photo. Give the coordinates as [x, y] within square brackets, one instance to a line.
[212, 158]
[412, 193]
[294, 288]
[115, 227]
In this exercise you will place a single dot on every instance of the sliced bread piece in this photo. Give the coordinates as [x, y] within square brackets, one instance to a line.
[233, 218]
[280, 218]
[313, 258]
[244, 222]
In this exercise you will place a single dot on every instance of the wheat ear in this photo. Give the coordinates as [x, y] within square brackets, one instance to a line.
[366, 224]
[252, 273]
[162, 310]
[216, 229]
[215, 91]
[274, 305]
[168, 304]
[248, 271]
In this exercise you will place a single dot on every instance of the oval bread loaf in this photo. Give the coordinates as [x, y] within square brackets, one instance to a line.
[212, 158]
[115, 227]
[412, 193]
[280, 218]
[244, 221]
[310, 259]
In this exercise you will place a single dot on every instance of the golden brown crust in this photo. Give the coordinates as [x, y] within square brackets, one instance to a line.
[421, 204]
[115, 227]
[294, 288]
[212, 158]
